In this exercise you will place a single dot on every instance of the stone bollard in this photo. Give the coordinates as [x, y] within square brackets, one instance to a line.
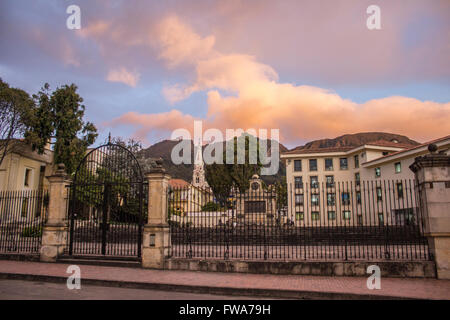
[156, 235]
[433, 178]
[54, 233]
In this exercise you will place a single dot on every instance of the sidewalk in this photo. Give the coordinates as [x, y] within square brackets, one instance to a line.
[280, 286]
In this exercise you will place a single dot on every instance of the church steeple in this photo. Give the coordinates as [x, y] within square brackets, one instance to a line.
[198, 177]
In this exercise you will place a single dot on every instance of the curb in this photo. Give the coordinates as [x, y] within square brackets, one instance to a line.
[229, 291]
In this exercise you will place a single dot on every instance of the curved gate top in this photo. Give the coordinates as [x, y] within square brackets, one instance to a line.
[107, 204]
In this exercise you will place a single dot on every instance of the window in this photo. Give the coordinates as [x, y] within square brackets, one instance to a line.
[345, 198]
[315, 215]
[385, 153]
[328, 164]
[379, 194]
[399, 189]
[314, 181]
[398, 167]
[298, 182]
[314, 199]
[377, 172]
[343, 163]
[331, 199]
[312, 164]
[26, 181]
[331, 215]
[356, 161]
[330, 181]
[358, 197]
[297, 165]
[346, 214]
[299, 215]
[357, 178]
[299, 199]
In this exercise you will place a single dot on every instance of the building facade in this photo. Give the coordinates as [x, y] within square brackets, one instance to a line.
[25, 169]
[366, 185]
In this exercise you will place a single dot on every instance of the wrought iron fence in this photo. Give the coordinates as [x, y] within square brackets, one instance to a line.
[335, 221]
[108, 204]
[22, 216]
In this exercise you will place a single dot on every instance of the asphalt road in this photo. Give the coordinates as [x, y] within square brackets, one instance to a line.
[32, 290]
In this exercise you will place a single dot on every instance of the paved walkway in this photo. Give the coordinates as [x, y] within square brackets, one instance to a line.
[283, 286]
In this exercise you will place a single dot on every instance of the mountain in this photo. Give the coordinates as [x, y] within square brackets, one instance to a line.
[358, 139]
[164, 148]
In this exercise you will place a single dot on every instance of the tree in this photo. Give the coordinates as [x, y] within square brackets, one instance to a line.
[15, 107]
[58, 119]
[135, 146]
[222, 177]
[281, 192]
[220, 181]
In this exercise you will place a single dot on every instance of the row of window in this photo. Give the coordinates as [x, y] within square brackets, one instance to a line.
[346, 215]
[331, 199]
[345, 197]
[314, 180]
[397, 169]
[343, 164]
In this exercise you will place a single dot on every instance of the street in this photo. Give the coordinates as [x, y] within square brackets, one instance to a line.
[32, 290]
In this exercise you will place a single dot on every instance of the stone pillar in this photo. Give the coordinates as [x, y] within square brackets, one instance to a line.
[54, 234]
[156, 235]
[433, 177]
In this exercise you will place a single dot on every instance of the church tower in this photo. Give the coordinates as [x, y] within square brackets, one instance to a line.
[198, 177]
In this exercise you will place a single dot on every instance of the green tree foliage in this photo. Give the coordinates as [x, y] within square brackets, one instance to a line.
[281, 192]
[211, 206]
[58, 118]
[15, 107]
[135, 146]
[222, 177]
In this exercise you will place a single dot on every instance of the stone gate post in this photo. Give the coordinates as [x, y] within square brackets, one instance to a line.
[433, 178]
[156, 236]
[54, 233]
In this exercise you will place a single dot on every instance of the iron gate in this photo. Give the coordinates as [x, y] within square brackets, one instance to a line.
[107, 204]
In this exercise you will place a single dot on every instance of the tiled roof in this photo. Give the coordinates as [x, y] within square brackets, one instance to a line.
[411, 148]
[384, 143]
[178, 183]
[321, 150]
[378, 143]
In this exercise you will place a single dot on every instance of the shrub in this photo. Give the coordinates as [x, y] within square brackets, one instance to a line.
[211, 206]
[33, 232]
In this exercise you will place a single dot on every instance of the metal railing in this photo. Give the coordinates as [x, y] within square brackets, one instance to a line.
[22, 216]
[341, 221]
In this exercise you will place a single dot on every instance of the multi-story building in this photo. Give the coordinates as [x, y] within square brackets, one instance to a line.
[364, 185]
[25, 169]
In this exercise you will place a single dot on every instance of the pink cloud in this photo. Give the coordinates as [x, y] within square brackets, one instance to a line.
[244, 93]
[124, 76]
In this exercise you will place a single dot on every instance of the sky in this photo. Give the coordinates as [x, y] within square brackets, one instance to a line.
[311, 69]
